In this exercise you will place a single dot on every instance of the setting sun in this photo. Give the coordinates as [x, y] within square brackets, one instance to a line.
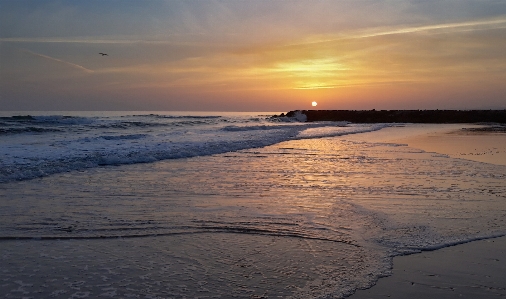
[314, 104]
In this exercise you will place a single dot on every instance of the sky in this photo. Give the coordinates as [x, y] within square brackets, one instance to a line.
[252, 55]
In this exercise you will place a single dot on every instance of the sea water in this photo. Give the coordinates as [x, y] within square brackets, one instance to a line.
[216, 205]
[41, 143]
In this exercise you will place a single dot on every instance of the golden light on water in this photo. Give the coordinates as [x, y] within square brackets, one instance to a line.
[314, 103]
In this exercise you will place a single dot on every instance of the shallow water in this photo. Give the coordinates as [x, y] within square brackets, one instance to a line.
[313, 218]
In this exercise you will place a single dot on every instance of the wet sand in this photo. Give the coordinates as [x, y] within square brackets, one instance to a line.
[454, 140]
[481, 146]
[472, 270]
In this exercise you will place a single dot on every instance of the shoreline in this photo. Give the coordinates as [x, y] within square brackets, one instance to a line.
[483, 146]
[461, 141]
[474, 269]
[309, 263]
[470, 270]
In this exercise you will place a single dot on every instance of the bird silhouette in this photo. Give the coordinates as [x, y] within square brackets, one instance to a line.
[103, 54]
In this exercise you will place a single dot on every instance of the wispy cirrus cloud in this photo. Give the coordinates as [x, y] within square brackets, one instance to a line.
[174, 39]
[73, 65]
[195, 39]
[476, 25]
[78, 40]
[470, 25]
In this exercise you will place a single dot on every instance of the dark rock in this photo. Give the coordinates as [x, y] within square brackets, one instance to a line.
[405, 116]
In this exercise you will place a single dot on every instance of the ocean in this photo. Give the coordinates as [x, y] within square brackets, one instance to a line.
[224, 205]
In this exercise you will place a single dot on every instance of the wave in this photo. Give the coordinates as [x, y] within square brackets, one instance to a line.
[449, 243]
[250, 128]
[101, 141]
[61, 123]
[125, 125]
[28, 130]
[70, 233]
[75, 234]
[124, 137]
[340, 129]
[174, 116]
[119, 156]
[47, 119]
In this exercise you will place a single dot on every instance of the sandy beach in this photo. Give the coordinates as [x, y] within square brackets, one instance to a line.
[309, 218]
[464, 141]
[471, 270]
[481, 146]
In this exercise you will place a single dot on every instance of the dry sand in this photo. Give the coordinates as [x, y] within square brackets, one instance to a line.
[472, 270]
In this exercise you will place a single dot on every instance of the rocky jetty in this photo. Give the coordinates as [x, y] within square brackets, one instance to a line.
[402, 116]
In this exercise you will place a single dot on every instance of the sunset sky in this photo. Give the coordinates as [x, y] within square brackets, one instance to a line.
[252, 55]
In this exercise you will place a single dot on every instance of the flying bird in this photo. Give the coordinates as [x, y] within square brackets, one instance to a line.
[103, 54]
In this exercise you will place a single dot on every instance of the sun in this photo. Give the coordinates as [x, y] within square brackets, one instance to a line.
[314, 103]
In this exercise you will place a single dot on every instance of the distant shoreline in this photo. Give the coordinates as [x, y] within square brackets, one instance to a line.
[402, 116]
